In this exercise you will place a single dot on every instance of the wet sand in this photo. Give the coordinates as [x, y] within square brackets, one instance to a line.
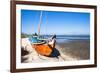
[79, 49]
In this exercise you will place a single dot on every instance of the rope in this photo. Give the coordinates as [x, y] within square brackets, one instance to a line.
[40, 22]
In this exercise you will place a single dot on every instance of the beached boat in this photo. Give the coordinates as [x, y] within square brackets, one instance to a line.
[41, 45]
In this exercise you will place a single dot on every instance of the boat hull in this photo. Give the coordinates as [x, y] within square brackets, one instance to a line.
[42, 49]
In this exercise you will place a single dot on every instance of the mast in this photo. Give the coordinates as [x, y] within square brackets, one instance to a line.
[39, 25]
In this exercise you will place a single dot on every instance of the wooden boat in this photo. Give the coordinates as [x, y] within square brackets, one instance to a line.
[43, 49]
[40, 44]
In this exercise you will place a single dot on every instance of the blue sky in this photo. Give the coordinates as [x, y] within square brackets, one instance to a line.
[61, 23]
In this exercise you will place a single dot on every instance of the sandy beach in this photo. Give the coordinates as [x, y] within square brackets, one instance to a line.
[73, 50]
[79, 49]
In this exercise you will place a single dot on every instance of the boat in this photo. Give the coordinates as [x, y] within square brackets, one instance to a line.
[40, 44]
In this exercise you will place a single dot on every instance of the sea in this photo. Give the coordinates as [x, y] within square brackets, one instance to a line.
[67, 38]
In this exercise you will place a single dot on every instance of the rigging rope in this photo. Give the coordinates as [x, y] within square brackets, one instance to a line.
[40, 22]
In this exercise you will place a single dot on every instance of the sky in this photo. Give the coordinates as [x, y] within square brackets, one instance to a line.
[60, 23]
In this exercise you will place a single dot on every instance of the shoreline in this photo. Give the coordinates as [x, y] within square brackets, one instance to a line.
[70, 51]
[77, 48]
